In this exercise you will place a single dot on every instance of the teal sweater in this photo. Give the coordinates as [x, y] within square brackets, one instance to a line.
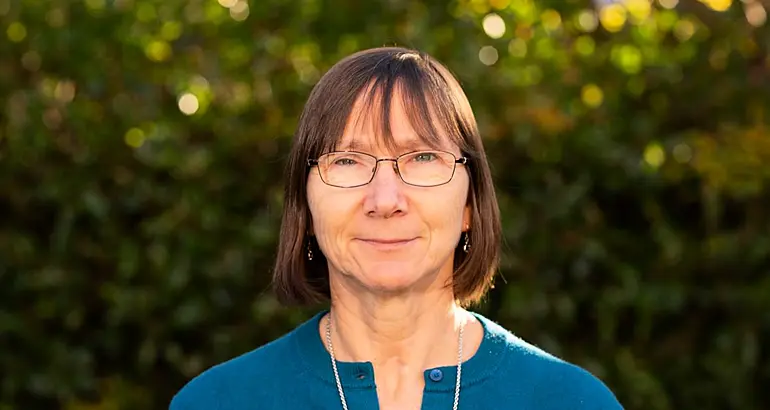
[295, 372]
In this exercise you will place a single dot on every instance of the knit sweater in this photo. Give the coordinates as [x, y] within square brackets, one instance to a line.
[295, 372]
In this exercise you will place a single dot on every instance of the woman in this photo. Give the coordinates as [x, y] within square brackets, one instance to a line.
[390, 213]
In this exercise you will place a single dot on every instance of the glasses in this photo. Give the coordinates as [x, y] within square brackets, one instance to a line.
[350, 169]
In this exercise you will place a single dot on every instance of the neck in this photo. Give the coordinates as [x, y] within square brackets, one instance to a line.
[408, 333]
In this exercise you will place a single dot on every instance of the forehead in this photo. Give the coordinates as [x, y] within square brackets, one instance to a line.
[398, 122]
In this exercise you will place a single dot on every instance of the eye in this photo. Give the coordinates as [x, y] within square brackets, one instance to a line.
[344, 161]
[425, 156]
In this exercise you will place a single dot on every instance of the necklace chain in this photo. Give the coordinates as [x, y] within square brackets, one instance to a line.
[337, 375]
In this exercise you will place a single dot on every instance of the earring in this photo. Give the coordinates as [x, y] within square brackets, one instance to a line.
[467, 245]
[309, 251]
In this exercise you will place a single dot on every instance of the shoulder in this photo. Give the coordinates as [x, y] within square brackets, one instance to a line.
[561, 384]
[226, 384]
[551, 382]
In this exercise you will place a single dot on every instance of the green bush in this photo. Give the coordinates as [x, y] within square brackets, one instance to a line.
[629, 147]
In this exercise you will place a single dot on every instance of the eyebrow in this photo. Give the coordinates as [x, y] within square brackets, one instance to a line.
[355, 145]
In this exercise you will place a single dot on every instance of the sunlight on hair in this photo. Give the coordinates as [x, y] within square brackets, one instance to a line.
[494, 25]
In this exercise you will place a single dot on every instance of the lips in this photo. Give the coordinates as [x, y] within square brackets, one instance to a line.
[386, 243]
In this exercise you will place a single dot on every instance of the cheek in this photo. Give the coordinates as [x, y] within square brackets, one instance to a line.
[330, 212]
[445, 216]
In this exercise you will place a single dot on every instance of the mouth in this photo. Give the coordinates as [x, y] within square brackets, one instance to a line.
[386, 244]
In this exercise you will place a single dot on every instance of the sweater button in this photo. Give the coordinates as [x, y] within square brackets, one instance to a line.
[436, 375]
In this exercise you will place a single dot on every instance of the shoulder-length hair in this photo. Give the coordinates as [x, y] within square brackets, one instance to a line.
[435, 104]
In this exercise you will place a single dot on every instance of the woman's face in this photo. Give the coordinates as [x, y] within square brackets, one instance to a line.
[387, 236]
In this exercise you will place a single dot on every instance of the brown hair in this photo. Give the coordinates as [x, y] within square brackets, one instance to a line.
[433, 95]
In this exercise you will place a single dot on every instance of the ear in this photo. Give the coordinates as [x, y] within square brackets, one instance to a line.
[467, 218]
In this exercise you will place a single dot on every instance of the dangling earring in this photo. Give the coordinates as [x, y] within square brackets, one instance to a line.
[467, 245]
[309, 250]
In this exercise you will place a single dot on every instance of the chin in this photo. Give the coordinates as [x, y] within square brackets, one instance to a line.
[390, 276]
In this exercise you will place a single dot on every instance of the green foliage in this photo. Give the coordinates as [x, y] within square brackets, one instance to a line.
[141, 160]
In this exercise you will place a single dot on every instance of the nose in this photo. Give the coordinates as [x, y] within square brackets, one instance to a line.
[385, 196]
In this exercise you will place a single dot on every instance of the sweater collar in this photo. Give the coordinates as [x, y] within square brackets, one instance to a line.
[311, 350]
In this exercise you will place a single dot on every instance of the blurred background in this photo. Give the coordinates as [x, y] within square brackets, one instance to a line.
[142, 145]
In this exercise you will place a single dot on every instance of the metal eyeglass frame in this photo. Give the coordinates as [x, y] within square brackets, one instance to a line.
[313, 162]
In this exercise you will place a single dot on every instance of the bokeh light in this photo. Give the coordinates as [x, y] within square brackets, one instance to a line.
[134, 137]
[517, 48]
[654, 155]
[56, 17]
[31, 60]
[682, 153]
[240, 11]
[65, 91]
[227, 3]
[668, 4]
[585, 45]
[613, 17]
[551, 20]
[684, 30]
[494, 25]
[16, 32]
[188, 104]
[588, 21]
[718, 5]
[488, 55]
[592, 95]
[627, 57]
[639, 10]
[158, 50]
[756, 14]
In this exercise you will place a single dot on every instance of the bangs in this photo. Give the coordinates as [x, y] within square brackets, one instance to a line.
[424, 96]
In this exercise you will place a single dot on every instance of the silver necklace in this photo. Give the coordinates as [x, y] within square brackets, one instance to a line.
[337, 375]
